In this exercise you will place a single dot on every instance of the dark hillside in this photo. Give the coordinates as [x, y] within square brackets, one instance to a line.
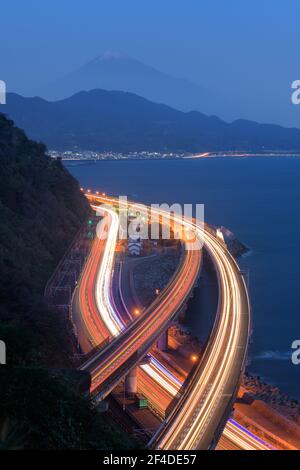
[41, 208]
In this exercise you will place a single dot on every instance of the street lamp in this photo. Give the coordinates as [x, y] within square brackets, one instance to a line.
[194, 358]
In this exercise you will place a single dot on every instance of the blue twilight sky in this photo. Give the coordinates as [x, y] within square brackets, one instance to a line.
[247, 50]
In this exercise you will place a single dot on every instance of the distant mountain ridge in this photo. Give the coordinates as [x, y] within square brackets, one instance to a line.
[118, 71]
[120, 121]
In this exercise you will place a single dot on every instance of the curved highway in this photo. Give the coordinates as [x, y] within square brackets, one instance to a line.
[201, 412]
[110, 365]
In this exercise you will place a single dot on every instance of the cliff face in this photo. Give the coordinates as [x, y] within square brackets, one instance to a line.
[41, 208]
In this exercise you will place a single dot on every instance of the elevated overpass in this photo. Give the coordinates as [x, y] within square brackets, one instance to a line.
[200, 415]
[202, 411]
[110, 365]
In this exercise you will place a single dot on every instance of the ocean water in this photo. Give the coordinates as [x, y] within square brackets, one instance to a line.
[259, 200]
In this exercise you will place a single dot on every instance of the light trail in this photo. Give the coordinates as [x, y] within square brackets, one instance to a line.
[84, 312]
[246, 439]
[223, 359]
[234, 432]
[104, 278]
[195, 418]
[146, 329]
[199, 414]
[158, 373]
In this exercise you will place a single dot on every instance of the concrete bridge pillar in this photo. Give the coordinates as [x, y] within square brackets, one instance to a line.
[162, 342]
[131, 382]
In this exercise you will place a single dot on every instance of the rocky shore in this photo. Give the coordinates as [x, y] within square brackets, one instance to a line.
[273, 396]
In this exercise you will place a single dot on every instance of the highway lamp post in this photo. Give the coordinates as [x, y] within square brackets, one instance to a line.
[194, 358]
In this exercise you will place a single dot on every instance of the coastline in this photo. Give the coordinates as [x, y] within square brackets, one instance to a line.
[80, 159]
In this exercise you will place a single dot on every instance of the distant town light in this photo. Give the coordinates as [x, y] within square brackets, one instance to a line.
[194, 357]
[136, 311]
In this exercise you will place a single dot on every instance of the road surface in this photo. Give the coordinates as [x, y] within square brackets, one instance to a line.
[201, 412]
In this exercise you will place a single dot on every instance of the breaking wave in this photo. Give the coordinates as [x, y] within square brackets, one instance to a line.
[274, 355]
